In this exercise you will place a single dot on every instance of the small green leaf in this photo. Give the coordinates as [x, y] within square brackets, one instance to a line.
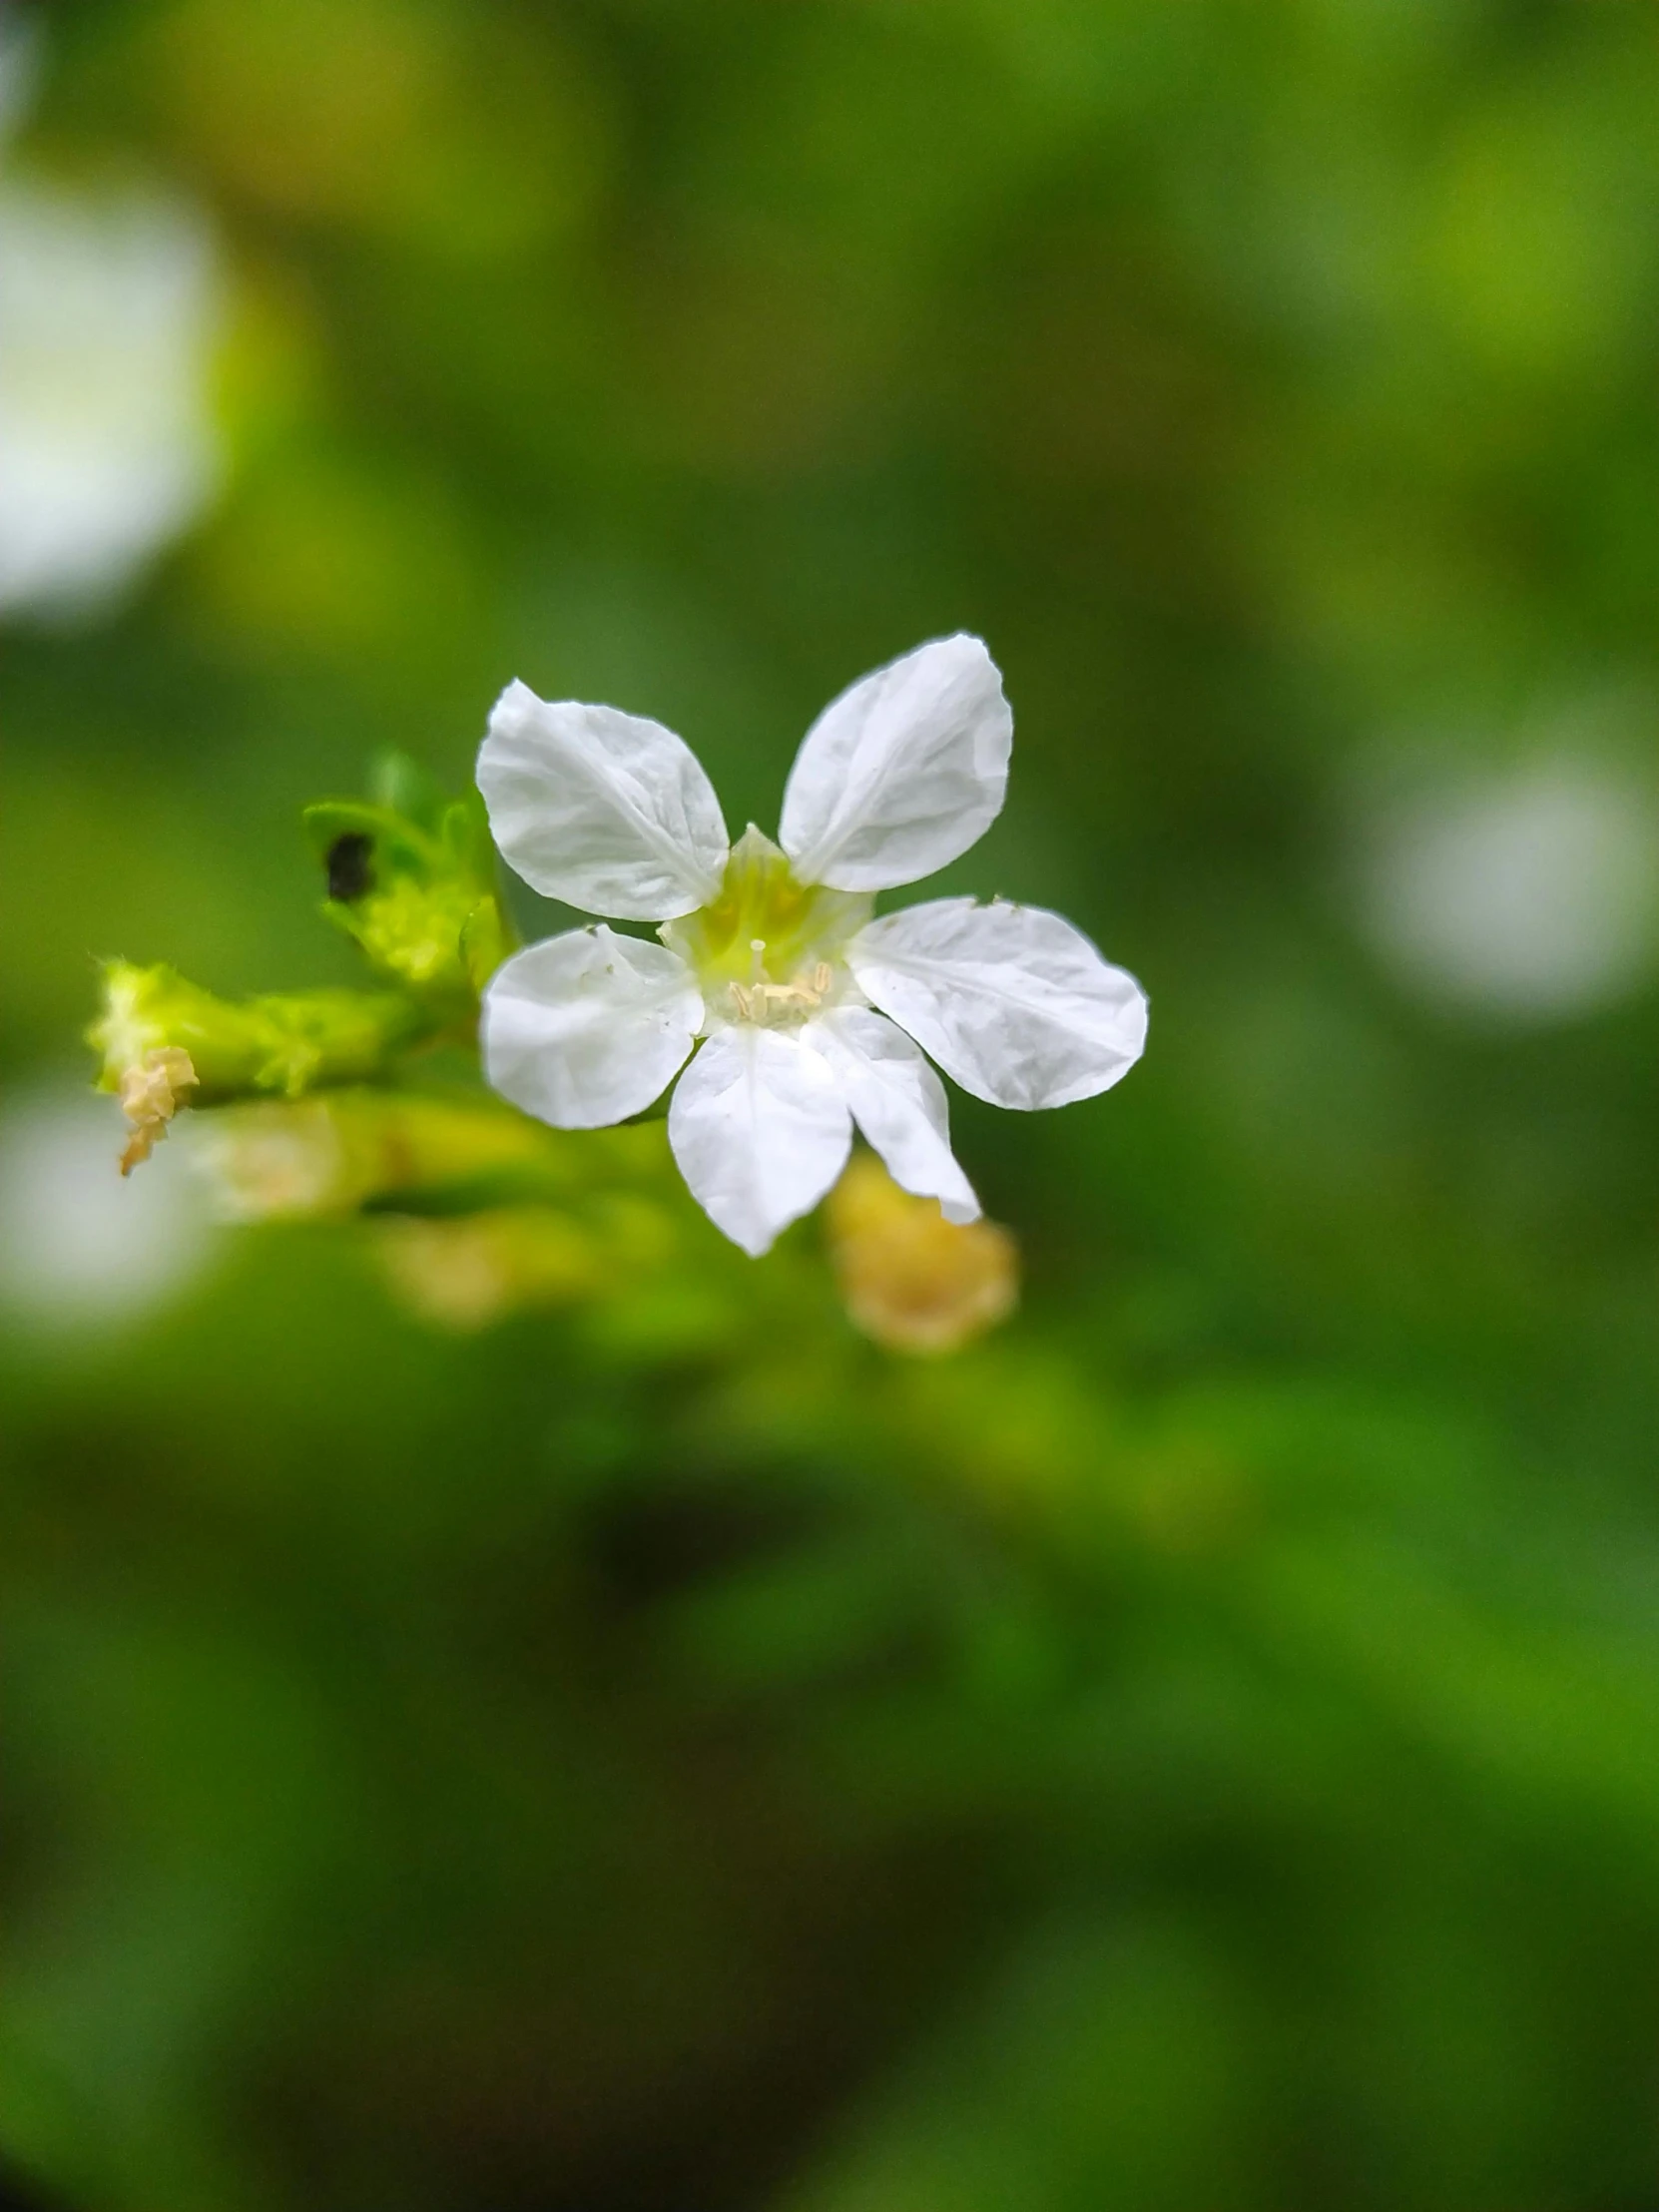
[401, 785]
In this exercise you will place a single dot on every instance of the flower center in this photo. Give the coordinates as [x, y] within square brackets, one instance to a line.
[764, 1001]
[767, 948]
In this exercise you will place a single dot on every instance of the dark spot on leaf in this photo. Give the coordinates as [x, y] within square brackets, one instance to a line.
[349, 872]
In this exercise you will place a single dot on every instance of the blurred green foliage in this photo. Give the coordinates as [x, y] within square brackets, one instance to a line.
[1197, 1749]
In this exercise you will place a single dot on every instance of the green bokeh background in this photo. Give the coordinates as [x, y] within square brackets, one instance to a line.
[1197, 1749]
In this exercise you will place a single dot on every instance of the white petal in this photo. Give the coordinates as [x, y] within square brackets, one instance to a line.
[902, 772]
[588, 1028]
[761, 1129]
[1012, 1002]
[606, 810]
[898, 1103]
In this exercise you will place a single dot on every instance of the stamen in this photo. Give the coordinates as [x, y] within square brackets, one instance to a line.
[759, 1001]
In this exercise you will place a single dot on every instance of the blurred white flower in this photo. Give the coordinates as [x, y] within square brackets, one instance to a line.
[1529, 891]
[768, 953]
[106, 447]
[108, 311]
[79, 1246]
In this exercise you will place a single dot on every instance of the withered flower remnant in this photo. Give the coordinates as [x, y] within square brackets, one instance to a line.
[151, 1092]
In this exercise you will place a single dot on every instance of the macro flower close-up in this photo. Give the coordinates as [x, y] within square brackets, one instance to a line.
[806, 1015]
[635, 1582]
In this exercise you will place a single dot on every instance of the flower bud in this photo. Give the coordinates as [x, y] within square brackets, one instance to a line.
[414, 890]
[910, 1279]
[325, 1156]
[462, 1275]
[159, 1035]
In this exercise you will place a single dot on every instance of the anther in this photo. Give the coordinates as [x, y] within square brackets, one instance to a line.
[759, 1000]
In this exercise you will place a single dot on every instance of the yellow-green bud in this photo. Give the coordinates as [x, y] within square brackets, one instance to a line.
[278, 1045]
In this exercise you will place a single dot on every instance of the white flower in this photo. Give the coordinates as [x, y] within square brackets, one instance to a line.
[1528, 892]
[108, 310]
[80, 1248]
[769, 954]
[106, 443]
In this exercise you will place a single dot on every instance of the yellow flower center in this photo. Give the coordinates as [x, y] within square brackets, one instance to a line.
[768, 948]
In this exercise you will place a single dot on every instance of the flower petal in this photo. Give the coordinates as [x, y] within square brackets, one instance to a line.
[902, 772]
[898, 1103]
[761, 1129]
[606, 810]
[1012, 1002]
[587, 1029]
